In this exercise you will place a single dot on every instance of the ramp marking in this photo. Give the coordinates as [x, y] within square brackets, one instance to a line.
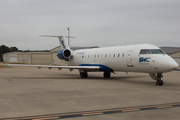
[96, 112]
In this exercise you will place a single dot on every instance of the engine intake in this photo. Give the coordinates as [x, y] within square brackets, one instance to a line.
[64, 54]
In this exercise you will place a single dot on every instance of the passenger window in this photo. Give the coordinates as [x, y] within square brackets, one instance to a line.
[123, 55]
[94, 56]
[118, 55]
[105, 55]
[114, 55]
[83, 56]
[98, 56]
[145, 51]
[157, 51]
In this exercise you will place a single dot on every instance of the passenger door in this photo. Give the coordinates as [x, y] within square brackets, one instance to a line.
[129, 59]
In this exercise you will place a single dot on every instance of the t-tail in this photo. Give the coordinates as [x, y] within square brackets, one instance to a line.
[64, 53]
[63, 43]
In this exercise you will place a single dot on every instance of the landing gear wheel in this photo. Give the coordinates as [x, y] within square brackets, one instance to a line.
[83, 74]
[107, 74]
[159, 82]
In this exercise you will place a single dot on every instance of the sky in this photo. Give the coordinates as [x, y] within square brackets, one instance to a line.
[93, 22]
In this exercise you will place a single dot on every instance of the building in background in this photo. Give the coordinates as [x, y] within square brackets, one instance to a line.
[170, 50]
[41, 58]
[28, 57]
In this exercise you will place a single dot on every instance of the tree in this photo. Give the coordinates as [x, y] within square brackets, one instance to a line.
[6, 49]
[13, 49]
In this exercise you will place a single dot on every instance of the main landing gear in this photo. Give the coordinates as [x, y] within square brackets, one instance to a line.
[84, 74]
[107, 74]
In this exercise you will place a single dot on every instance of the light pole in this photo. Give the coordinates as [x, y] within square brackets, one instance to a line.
[68, 36]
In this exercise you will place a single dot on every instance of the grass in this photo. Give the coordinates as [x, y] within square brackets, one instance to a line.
[3, 66]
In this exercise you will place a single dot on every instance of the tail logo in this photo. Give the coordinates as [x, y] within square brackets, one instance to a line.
[63, 44]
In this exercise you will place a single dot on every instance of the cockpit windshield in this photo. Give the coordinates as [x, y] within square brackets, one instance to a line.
[145, 51]
[151, 51]
[157, 51]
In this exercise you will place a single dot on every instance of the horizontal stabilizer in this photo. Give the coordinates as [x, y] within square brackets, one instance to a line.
[56, 36]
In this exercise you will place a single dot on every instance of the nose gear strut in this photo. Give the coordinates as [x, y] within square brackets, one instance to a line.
[159, 80]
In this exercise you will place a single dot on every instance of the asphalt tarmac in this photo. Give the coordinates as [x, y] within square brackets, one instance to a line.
[39, 94]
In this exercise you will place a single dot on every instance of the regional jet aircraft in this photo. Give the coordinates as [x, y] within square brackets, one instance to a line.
[144, 58]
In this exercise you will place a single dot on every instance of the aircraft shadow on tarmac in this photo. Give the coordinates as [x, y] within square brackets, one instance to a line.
[61, 77]
[124, 79]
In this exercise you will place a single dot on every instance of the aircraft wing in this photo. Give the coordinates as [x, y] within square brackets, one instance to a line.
[59, 67]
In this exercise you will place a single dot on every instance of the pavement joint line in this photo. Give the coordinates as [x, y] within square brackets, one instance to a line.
[34, 117]
[146, 107]
[88, 114]
[91, 112]
[164, 106]
[96, 112]
[112, 110]
[67, 114]
[11, 119]
[128, 110]
[50, 118]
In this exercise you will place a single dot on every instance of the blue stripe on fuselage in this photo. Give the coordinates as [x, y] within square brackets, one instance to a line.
[101, 67]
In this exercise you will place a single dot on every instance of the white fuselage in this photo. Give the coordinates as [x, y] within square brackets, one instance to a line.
[124, 58]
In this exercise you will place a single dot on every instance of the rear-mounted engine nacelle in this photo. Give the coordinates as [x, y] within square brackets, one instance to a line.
[64, 54]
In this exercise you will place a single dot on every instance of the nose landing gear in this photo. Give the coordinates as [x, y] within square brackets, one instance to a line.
[157, 77]
[159, 80]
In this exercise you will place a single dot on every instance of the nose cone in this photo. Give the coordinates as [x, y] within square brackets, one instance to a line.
[172, 64]
[169, 64]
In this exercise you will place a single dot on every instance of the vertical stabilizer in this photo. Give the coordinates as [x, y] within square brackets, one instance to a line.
[63, 42]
